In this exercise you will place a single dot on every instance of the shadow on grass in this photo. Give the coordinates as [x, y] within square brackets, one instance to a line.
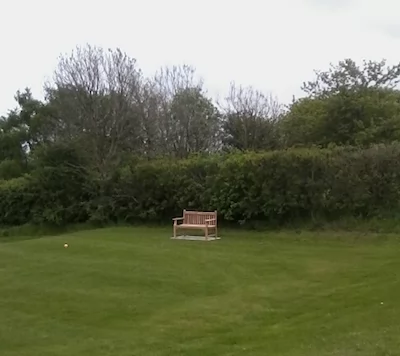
[31, 232]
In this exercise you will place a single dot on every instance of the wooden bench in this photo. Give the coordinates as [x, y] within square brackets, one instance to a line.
[200, 220]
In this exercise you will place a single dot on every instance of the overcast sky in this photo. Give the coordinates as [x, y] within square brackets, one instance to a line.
[273, 45]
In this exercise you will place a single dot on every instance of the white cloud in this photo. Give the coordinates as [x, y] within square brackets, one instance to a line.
[273, 45]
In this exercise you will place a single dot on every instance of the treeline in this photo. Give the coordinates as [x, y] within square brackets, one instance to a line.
[109, 144]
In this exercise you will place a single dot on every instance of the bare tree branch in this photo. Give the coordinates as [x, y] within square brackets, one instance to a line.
[250, 118]
[101, 89]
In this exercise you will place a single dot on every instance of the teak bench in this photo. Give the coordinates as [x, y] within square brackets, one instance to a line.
[200, 220]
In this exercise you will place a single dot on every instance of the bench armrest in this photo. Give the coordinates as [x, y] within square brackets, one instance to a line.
[175, 220]
[210, 220]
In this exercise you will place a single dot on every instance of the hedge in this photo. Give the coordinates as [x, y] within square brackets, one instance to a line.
[16, 201]
[274, 187]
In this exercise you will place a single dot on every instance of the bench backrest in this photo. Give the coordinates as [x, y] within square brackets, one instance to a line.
[198, 217]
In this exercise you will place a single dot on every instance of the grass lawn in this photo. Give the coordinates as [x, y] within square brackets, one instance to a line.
[132, 291]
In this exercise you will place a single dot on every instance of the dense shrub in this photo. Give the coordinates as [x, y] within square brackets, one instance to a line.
[57, 191]
[161, 189]
[10, 169]
[17, 199]
[63, 186]
[274, 187]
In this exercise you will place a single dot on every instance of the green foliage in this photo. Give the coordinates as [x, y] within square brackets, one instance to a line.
[161, 189]
[357, 118]
[303, 124]
[28, 126]
[245, 132]
[56, 192]
[346, 105]
[87, 152]
[250, 120]
[11, 169]
[11, 143]
[62, 185]
[347, 75]
[17, 198]
[195, 120]
[276, 188]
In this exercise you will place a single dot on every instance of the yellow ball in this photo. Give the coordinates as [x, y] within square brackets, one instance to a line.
[65, 245]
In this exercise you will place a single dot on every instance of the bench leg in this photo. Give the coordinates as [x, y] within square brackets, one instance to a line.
[206, 233]
[216, 232]
[174, 231]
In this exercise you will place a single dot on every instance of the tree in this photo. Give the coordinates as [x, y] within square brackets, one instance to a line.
[94, 95]
[304, 123]
[21, 132]
[186, 120]
[11, 143]
[250, 119]
[348, 76]
[347, 105]
[31, 121]
[363, 118]
[195, 123]
[62, 183]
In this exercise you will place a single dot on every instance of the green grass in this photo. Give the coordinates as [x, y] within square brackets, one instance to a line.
[132, 291]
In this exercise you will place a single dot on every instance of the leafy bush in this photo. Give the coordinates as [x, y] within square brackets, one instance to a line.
[10, 169]
[17, 199]
[56, 193]
[274, 187]
[63, 186]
